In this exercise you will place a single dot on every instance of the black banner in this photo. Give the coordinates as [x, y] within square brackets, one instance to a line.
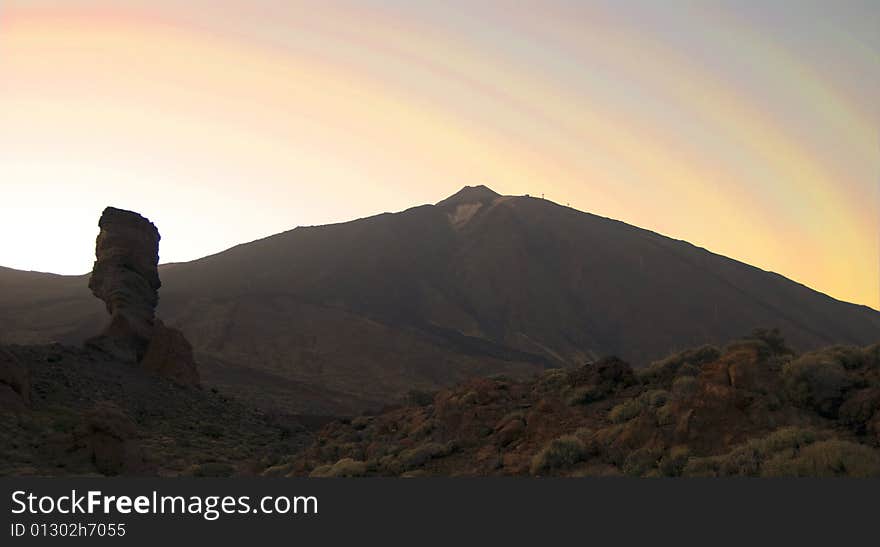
[453, 511]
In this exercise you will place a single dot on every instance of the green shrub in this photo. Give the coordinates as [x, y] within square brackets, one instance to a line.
[816, 381]
[561, 453]
[625, 411]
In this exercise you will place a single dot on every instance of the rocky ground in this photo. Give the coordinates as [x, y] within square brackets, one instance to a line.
[86, 413]
[752, 408]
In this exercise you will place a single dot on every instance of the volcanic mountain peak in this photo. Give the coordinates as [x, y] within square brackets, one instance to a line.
[470, 194]
[464, 204]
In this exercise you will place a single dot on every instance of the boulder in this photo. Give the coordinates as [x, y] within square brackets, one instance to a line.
[112, 439]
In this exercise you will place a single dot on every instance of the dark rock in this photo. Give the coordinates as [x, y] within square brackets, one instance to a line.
[112, 440]
[170, 355]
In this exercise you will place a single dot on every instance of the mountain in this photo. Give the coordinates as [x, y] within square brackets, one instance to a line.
[478, 284]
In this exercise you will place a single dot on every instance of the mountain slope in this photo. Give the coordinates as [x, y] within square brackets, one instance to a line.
[477, 284]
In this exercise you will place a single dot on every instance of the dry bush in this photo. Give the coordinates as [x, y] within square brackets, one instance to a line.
[817, 381]
[561, 453]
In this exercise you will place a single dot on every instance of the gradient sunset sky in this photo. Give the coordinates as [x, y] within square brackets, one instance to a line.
[748, 128]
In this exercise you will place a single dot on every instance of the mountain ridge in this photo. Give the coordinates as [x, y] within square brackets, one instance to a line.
[477, 284]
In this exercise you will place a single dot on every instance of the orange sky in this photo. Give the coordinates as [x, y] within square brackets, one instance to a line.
[750, 131]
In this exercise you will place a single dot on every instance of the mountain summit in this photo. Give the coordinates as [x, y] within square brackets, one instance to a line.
[470, 194]
[477, 284]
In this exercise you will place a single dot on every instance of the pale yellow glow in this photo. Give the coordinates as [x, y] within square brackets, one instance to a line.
[222, 134]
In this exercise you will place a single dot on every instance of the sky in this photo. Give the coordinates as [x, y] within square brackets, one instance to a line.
[748, 128]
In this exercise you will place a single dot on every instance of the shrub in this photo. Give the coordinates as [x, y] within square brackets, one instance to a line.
[685, 362]
[641, 462]
[666, 415]
[346, 467]
[561, 453]
[625, 411]
[420, 455]
[871, 356]
[773, 339]
[674, 463]
[655, 398]
[554, 378]
[859, 408]
[849, 357]
[832, 458]
[361, 422]
[749, 458]
[685, 386]
[701, 467]
[586, 395]
[816, 381]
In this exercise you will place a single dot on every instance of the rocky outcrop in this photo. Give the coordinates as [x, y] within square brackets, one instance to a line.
[112, 439]
[126, 278]
[14, 383]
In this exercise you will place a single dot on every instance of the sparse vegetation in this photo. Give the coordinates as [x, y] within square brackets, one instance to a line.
[740, 413]
[625, 411]
[749, 458]
[561, 453]
[831, 458]
[732, 414]
[586, 395]
[817, 381]
[684, 363]
[346, 467]
[685, 386]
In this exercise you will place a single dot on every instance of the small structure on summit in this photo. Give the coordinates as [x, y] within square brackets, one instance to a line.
[126, 277]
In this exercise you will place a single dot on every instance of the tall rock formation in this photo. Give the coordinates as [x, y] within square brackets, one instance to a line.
[126, 278]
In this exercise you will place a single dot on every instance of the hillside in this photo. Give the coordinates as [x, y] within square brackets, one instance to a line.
[478, 284]
[751, 408]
